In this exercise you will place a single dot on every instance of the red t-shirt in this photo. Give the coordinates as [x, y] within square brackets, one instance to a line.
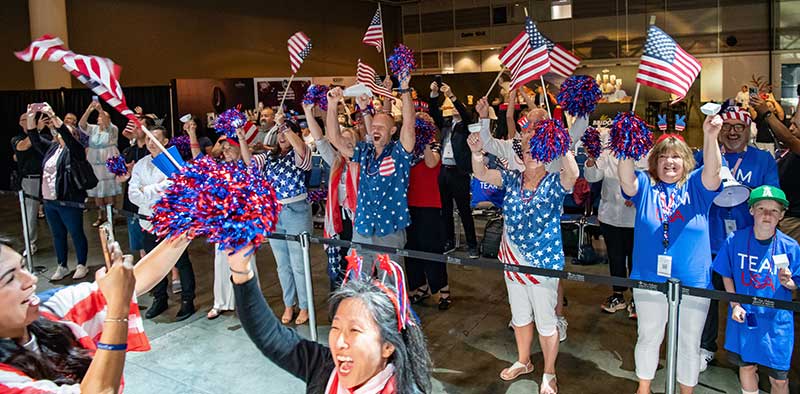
[423, 186]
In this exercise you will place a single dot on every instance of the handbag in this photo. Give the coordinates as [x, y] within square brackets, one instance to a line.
[82, 174]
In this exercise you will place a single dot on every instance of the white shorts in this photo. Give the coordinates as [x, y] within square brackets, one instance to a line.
[537, 303]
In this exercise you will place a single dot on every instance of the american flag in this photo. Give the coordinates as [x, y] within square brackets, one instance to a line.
[665, 65]
[367, 75]
[562, 61]
[99, 74]
[526, 56]
[522, 122]
[374, 34]
[299, 48]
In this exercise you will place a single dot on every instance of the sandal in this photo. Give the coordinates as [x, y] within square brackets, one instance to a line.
[288, 313]
[419, 295]
[302, 317]
[444, 302]
[98, 222]
[546, 387]
[515, 370]
[213, 314]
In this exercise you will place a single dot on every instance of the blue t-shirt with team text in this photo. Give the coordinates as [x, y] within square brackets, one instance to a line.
[752, 266]
[688, 231]
[757, 168]
[382, 191]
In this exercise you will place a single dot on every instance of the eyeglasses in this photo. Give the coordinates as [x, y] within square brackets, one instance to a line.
[737, 127]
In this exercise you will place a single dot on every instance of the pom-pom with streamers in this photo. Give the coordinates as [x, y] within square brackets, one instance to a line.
[317, 95]
[182, 143]
[630, 137]
[116, 165]
[549, 141]
[402, 62]
[228, 121]
[591, 142]
[229, 203]
[424, 132]
[579, 95]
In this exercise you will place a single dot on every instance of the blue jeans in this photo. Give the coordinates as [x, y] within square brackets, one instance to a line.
[293, 219]
[63, 220]
[135, 234]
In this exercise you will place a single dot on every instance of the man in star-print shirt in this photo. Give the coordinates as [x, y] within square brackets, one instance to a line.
[382, 207]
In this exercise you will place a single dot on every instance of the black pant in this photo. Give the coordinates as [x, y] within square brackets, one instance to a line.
[425, 234]
[345, 235]
[454, 184]
[711, 330]
[619, 246]
[185, 272]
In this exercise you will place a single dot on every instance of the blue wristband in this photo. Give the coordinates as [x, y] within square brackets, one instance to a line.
[105, 346]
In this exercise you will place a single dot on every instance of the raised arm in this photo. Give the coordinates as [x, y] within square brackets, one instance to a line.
[313, 126]
[194, 144]
[83, 123]
[466, 116]
[332, 123]
[569, 171]
[499, 148]
[435, 105]
[431, 156]
[627, 177]
[363, 102]
[511, 123]
[712, 158]
[407, 135]
[155, 265]
[782, 133]
[479, 169]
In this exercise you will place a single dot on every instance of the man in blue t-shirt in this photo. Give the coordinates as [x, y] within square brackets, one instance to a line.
[763, 262]
[385, 164]
[751, 167]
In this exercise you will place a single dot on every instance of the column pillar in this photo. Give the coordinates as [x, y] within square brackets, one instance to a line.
[49, 17]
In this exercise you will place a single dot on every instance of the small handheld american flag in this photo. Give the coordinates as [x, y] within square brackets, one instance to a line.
[374, 35]
[299, 48]
[666, 66]
[526, 56]
[562, 61]
[366, 75]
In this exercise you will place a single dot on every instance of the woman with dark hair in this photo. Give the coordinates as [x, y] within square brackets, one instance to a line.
[672, 201]
[74, 341]
[285, 166]
[58, 186]
[373, 347]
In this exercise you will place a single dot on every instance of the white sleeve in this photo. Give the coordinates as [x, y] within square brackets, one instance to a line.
[501, 149]
[141, 194]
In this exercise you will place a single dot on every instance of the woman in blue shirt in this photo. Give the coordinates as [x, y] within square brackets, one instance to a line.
[763, 262]
[671, 230]
[531, 237]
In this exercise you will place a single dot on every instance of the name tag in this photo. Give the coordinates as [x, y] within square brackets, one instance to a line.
[781, 261]
[730, 226]
[664, 265]
[448, 151]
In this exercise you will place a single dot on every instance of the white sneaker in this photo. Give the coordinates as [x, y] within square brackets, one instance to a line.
[561, 325]
[705, 358]
[80, 272]
[61, 273]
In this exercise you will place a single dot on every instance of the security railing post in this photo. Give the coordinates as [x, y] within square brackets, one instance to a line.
[305, 243]
[26, 236]
[674, 301]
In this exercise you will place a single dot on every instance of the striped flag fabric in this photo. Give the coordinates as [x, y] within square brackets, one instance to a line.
[367, 75]
[299, 48]
[99, 74]
[666, 66]
[522, 122]
[387, 166]
[526, 56]
[562, 61]
[374, 35]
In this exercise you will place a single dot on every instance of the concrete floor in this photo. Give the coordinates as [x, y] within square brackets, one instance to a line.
[470, 343]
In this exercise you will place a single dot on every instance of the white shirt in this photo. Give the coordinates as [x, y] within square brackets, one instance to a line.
[49, 174]
[613, 210]
[145, 188]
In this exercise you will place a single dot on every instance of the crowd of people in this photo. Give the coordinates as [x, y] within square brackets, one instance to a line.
[388, 186]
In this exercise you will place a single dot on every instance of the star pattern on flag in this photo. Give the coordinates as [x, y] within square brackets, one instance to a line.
[285, 176]
[660, 46]
[537, 40]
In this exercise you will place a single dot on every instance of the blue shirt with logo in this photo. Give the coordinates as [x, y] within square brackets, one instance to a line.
[751, 265]
[688, 231]
[757, 168]
[382, 201]
[482, 191]
[533, 219]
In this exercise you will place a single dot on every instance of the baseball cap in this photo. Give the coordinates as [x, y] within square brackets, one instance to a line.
[767, 192]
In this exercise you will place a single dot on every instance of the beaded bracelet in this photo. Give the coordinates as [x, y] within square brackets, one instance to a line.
[106, 346]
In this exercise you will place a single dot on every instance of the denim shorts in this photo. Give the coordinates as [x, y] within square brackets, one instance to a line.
[135, 234]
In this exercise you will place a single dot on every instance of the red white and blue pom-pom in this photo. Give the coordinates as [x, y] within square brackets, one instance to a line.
[550, 140]
[579, 95]
[228, 121]
[182, 143]
[317, 95]
[424, 133]
[401, 61]
[116, 165]
[591, 142]
[630, 136]
[317, 195]
[228, 202]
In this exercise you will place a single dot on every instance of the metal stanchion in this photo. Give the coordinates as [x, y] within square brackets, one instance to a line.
[673, 301]
[305, 243]
[26, 236]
